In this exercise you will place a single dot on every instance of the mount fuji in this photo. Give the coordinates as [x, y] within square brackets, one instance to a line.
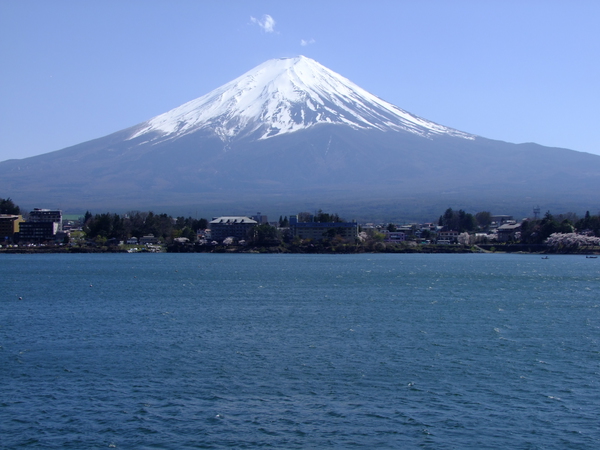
[292, 135]
[282, 96]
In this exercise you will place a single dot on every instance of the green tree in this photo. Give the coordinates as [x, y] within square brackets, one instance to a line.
[134, 223]
[264, 235]
[7, 206]
[201, 224]
[283, 222]
[447, 220]
[566, 226]
[584, 224]
[189, 233]
[322, 217]
[101, 225]
[483, 219]
[537, 231]
[466, 221]
[460, 221]
[160, 225]
[181, 223]
[590, 223]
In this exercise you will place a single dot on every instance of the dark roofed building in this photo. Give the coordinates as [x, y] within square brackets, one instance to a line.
[231, 226]
[507, 231]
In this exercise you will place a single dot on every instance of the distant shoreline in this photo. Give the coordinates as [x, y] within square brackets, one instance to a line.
[534, 249]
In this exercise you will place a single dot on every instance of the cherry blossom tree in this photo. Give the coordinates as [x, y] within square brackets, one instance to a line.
[571, 241]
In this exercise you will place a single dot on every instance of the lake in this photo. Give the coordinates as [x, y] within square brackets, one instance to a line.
[186, 351]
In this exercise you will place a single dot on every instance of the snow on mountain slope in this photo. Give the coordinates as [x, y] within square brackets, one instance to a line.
[282, 96]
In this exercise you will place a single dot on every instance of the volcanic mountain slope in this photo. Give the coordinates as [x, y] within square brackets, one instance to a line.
[289, 135]
[283, 96]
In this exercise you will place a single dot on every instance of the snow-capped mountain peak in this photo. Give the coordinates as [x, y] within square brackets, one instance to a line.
[286, 95]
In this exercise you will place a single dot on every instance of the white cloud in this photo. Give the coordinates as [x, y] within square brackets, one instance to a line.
[304, 43]
[267, 23]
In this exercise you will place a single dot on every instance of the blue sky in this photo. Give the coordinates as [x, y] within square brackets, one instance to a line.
[518, 71]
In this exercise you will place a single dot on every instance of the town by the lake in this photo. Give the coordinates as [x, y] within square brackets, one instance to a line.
[455, 231]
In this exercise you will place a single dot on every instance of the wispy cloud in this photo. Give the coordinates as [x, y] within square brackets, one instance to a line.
[304, 43]
[267, 23]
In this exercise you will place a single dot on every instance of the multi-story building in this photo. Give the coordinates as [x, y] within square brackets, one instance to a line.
[37, 231]
[319, 230]
[260, 218]
[394, 236]
[508, 231]
[231, 226]
[9, 225]
[39, 215]
[42, 225]
[499, 220]
[447, 237]
[148, 240]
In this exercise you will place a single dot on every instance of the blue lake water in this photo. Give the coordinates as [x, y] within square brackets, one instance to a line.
[185, 351]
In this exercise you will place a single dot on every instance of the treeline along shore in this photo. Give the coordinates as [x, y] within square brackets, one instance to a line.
[455, 231]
